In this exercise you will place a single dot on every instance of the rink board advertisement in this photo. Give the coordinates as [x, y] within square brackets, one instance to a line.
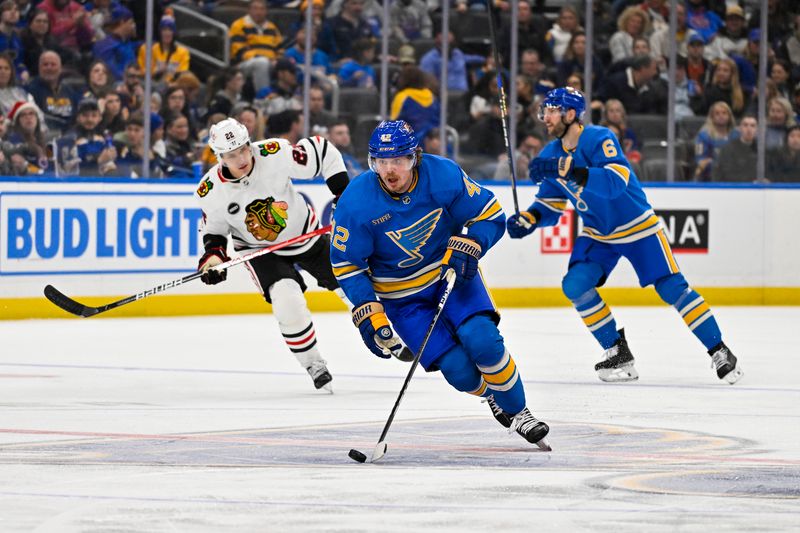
[111, 239]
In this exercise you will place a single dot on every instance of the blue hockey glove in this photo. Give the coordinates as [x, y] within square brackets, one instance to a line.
[214, 256]
[462, 256]
[378, 335]
[521, 224]
[557, 167]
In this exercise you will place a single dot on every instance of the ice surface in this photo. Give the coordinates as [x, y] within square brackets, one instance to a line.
[209, 424]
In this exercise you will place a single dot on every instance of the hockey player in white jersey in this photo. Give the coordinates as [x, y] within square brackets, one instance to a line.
[249, 195]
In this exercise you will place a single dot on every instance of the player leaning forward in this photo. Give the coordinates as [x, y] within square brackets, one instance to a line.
[249, 195]
[585, 165]
[397, 228]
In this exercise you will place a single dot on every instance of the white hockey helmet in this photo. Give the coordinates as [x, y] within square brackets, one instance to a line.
[227, 135]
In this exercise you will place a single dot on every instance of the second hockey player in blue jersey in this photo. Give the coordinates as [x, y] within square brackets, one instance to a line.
[585, 166]
[397, 227]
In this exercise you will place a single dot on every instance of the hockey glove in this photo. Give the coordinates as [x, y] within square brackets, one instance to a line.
[214, 256]
[378, 335]
[557, 167]
[462, 256]
[521, 224]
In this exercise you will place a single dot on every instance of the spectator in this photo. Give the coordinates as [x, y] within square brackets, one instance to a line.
[252, 120]
[10, 92]
[457, 65]
[179, 151]
[528, 147]
[58, 101]
[632, 86]
[783, 164]
[100, 79]
[118, 48]
[282, 95]
[484, 96]
[779, 119]
[658, 12]
[317, 16]
[634, 22]
[791, 47]
[779, 72]
[732, 39]
[415, 103]
[225, 91]
[614, 115]
[36, 38]
[432, 144]
[698, 68]
[255, 44]
[9, 37]
[114, 116]
[131, 88]
[688, 99]
[319, 120]
[169, 58]
[561, 33]
[530, 35]
[702, 20]
[660, 39]
[532, 67]
[574, 58]
[187, 81]
[131, 150]
[779, 20]
[340, 32]
[287, 124]
[93, 151]
[717, 131]
[358, 72]
[99, 16]
[69, 24]
[410, 20]
[339, 135]
[320, 62]
[725, 87]
[737, 159]
[175, 101]
[748, 62]
[28, 136]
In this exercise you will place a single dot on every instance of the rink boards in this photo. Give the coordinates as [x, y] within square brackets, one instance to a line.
[100, 240]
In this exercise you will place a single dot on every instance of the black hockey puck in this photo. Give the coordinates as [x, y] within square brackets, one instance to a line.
[356, 455]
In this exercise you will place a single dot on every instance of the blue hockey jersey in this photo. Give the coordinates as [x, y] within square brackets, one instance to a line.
[392, 245]
[612, 204]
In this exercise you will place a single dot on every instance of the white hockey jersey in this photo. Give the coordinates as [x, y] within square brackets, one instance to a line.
[264, 208]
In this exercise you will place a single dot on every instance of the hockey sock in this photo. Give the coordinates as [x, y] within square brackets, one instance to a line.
[503, 382]
[698, 317]
[597, 316]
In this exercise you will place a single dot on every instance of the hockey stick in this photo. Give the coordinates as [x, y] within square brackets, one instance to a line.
[380, 448]
[76, 308]
[501, 95]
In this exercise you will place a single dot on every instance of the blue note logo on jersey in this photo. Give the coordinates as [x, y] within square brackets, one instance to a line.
[412, 238]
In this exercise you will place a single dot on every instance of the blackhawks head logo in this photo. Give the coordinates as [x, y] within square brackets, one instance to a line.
[265, 219]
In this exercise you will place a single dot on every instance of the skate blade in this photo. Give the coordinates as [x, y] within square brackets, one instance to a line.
[544, 445]
[734, 375]
[380, 451]
[618, 375]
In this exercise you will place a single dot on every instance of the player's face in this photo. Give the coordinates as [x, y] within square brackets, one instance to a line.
[552, 120]
[395, 172]
[239, 161]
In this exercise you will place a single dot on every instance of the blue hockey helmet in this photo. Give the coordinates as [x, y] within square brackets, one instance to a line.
[392, 138]
[564, 98]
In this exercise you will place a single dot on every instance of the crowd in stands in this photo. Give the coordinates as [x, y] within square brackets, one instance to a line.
[72, 90]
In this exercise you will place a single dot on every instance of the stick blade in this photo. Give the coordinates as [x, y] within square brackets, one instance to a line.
[380, 451]
[68, 304]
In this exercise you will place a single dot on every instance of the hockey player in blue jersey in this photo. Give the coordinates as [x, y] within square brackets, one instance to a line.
[397, 227]
[585, 165]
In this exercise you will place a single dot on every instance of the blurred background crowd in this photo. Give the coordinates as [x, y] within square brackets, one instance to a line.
[72, 81]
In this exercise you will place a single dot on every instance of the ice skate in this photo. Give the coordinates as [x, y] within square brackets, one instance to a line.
[319, 373]
[726, 364]
[617, 363]
[498, 413]
[531, 429]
